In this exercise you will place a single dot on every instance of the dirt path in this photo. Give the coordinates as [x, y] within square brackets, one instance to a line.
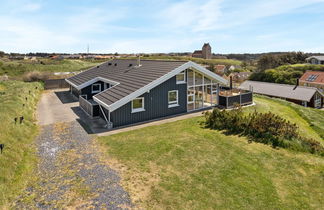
[70, 173]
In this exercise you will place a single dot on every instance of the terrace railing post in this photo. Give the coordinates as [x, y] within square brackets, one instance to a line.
[218, 89]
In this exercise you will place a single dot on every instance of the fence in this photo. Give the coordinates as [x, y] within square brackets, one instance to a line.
[55, 84]
[91, 109]
[241, 99]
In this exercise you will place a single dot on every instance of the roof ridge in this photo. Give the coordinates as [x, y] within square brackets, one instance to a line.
[280, 84]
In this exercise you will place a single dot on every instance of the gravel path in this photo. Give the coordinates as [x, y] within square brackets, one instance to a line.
[71, 175]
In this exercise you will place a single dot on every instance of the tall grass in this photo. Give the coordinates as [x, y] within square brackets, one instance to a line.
[18, 68]
[18, 157]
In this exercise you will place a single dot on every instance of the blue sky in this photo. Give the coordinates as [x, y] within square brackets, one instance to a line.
[134, 26]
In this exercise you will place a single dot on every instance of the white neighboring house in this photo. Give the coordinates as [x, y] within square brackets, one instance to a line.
[315, 60]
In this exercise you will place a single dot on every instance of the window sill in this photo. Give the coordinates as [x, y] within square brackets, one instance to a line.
[173, 105]
[181, 82]
[138, 110]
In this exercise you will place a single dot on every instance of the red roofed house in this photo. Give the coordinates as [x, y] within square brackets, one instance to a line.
[313, 79]
[220, 69]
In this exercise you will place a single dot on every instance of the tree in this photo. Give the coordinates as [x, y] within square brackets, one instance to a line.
[2, 54]
[211, 67]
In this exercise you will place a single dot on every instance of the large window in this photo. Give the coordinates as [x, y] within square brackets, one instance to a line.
[181, 78]
[138, 105]
[173, 98]
[95, 88]
[201, 91]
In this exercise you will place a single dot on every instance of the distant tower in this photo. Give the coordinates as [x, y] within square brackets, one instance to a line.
[206, 51]
[88, 49]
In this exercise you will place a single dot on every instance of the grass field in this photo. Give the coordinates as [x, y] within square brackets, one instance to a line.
[19, 67]
[310, 121]
[197, 60]
[18, 157]
[182, 165]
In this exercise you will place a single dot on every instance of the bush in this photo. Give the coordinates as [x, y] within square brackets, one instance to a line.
[267, 128]
[35, 76]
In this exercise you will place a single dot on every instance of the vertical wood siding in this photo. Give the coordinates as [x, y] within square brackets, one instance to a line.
[155, 104]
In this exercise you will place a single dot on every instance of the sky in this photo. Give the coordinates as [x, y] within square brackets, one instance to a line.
[147, 26]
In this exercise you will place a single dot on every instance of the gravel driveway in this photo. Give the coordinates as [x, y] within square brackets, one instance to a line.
[70, 173]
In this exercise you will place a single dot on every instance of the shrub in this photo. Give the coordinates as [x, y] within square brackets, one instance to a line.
[35, 76]
[267, 128]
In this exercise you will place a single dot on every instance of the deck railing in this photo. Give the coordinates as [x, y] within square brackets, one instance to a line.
[240, 99]
[91, 109]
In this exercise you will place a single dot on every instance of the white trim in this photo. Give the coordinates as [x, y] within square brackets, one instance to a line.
[71, 83]
[103, 113]
[158, 81]
[96, 91]
[173, 103]
[138, 109]
[184, 78]
[193, 98]
[90, 82]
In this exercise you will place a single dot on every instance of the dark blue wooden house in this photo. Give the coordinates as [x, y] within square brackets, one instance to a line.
[127, 91]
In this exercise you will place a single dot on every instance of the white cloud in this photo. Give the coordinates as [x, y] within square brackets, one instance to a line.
[250, 11]
[201, 16]
[192, 14]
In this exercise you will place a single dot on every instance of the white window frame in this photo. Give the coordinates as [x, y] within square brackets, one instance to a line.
[173, 103]
[184, 78]
[317, 100]
[193, 97]
[95, 91]
[138, 109]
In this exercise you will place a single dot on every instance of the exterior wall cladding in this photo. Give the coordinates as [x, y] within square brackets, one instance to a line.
[155, 105]
[86, 90]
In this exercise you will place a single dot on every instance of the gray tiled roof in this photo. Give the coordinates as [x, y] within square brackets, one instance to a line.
[280, 90]
[130, 78]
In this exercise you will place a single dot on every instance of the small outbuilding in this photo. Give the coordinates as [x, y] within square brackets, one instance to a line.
[305, 96]
[315, 59]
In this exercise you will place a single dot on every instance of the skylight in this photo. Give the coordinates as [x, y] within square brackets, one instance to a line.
[311, 78]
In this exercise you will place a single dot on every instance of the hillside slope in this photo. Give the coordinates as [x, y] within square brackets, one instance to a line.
[18, 157]
[182, 165]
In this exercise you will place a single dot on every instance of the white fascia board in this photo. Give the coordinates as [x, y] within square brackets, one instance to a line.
[160, 80]
[71, 83]
[90, 82]
[322, 94]
[208, 73]
[101, 103]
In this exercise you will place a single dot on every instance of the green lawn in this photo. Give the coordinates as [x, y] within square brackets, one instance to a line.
[182, 165]
[18, 157]
[19, 67]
